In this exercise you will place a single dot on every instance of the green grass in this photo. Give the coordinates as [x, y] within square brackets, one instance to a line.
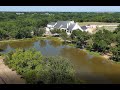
[72, 45]
[93, 53]
[25, 39]
[54, 38]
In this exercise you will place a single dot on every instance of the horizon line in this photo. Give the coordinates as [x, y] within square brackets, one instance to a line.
[66, 11]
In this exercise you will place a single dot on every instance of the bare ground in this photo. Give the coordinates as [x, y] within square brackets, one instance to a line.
[7, 76]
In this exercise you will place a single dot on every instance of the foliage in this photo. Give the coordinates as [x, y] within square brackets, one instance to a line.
[59, 70]
[116, 53]
[80, 37]
[56, 31]
[99, 42]
[37, 69]
[13, 25]
[39, 32]
[64, 35]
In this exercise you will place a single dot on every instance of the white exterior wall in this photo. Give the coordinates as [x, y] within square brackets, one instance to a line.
[68, 33]
[50, 26]
[47, 29]
[77, 27]
[72, 22]
[93, 26]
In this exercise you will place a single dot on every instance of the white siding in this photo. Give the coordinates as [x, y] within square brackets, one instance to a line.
[72, 22]
[76, 27]
[47, 29]
[50, 25]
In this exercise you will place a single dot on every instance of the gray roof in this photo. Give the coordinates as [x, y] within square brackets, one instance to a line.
[84, 27]
[58, 25]
[71, 26]
[52, 23]
[63, 24]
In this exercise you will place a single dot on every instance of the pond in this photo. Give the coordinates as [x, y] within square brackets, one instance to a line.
[89, 68]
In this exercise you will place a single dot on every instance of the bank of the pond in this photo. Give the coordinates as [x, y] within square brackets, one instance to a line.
[22, 39]
[34, 38]
[107, 56]
[57, 39]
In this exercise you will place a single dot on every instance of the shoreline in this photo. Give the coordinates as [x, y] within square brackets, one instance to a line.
[32, 39]
[107, 56]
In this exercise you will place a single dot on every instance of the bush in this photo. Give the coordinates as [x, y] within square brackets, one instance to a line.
[37, 69]
[58, 70]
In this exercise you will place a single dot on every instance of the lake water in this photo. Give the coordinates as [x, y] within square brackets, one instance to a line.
[89, 68]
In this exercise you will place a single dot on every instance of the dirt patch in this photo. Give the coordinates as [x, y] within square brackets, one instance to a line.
[7, 76]
[106, 56]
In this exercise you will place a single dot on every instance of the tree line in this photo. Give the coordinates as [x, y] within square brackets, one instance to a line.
[20, 26]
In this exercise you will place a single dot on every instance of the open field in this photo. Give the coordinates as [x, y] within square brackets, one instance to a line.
[97, 23]
[110, 28]
[101, 25]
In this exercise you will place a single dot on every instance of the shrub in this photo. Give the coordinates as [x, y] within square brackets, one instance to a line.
[37, 69]
[58, 70]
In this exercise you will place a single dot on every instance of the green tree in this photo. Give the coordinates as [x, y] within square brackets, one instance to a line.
[80, 37]
[36, 69]
[63, 35]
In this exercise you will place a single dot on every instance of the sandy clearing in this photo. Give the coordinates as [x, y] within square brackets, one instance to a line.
[7, 76]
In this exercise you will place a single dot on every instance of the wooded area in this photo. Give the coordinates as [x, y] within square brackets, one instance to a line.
[14, 25]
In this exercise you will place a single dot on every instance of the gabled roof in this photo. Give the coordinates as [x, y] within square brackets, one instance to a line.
[71, 26]
[58, 25]
[63, 24]
[52, 23]
[84, 27]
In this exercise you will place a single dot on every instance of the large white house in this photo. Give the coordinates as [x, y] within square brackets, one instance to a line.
[68, 26]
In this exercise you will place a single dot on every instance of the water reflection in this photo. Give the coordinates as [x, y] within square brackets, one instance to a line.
[90, 68]
[22, 44]
[3, 46]
[43, 43]
[55, 43]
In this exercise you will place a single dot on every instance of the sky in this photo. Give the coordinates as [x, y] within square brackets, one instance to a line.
[61, 8]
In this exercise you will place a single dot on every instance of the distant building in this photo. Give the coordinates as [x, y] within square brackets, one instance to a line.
[19, 13]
